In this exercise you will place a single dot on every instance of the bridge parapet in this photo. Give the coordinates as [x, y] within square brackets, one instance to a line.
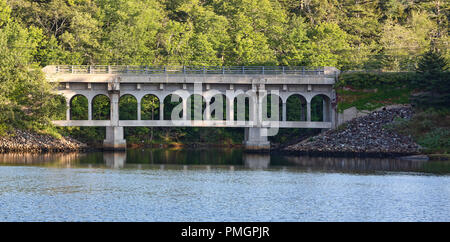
[207, 70]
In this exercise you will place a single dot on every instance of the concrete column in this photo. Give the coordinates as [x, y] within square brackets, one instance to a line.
[161, 111]
[138, 111]
[256, 139]
[207, 115]
[114, 97]
[114, 134]
[184, 102]
[68, 110]
[230, 112]
[89, 109]
[284, 114]
[114, 139]
[259, 107]
[308, 111]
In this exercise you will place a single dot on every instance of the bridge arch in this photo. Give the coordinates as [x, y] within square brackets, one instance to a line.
[150, 107]
[219, 104]
[296, 108]
[128, 107]
[321, 108]
[267, 109]
[196, 106]
[244, 107]
[79, 107]
[101, 107]
[171, 102]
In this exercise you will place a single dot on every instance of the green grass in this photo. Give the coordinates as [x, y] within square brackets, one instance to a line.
[430, 129]
[371, 99]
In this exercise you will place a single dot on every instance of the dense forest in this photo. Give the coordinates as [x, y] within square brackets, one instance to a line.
[386, 35]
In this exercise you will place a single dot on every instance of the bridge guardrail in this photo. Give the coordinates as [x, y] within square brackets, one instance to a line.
[146, 70]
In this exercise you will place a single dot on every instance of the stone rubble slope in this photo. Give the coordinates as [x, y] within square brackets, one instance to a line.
[26, 141]
[367, 134]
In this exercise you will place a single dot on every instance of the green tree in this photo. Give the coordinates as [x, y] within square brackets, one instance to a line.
[26, 98]
[327, 46]
[434, 79]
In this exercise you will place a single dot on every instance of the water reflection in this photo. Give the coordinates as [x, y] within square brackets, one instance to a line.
[256, 161]
[115, 159]
[229, 159]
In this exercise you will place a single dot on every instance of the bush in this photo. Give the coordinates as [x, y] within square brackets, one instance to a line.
[367, 80]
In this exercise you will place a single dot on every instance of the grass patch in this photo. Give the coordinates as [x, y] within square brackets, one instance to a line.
[371, 99]
[430, 129]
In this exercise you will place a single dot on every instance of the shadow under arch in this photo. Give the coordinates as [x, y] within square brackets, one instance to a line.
[79, 107]
[267, 109]
[170, 102]
[101, 107]
[150, 107]
[196, 105]
[218, 107]
[296, 109]
[243, 107]
[321, 108]
[127, 107]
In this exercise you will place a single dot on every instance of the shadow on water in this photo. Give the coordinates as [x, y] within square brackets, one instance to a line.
[232, 159]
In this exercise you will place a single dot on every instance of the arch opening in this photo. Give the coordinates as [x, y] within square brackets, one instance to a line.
[218, 107]
[320, 108]
[101, 107]
[150, 107]
[196, 105]
[270, 112]
[79, 108]
[170, 102]
[127, 107]
[243, 107]
[296, 108]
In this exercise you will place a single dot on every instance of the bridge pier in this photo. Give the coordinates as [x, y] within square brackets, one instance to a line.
[114, 139]
[256, 139]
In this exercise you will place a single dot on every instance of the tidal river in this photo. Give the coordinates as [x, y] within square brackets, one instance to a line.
[219, 185]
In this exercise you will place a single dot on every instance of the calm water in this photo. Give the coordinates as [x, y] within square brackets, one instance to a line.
[219, 185]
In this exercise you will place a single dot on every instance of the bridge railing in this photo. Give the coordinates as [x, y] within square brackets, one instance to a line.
[132, 69]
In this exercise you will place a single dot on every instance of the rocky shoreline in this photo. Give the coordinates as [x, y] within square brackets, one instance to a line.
[31, 142]
[366, 136]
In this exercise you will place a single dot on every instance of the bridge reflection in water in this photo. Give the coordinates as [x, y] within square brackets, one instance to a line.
[231, 159]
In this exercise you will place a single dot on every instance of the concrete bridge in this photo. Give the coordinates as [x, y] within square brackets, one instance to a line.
[244, 91]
